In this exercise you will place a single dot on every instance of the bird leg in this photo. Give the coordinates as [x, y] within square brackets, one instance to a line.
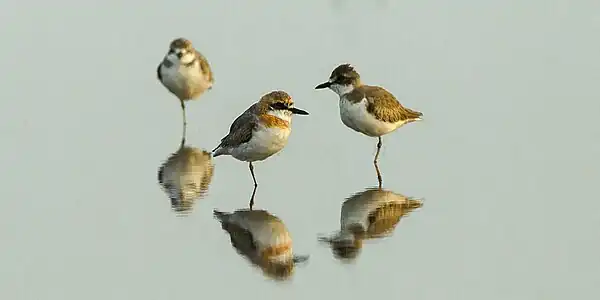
[255, 185]
[375, 162]
[184, 119]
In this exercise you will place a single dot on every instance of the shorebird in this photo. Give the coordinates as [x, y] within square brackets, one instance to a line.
[185, 177]
[263, 239]
[261, 131]
[185, 72]
[369, 214]
[370, 110]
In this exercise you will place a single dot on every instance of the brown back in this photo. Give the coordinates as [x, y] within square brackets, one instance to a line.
[382, 104]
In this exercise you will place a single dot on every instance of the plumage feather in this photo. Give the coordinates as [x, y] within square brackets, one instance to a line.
[205, 68]
[158, 72]
[382, 104]
[240, 130]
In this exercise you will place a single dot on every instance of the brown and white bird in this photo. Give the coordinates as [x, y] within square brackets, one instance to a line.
[370, 110]
[261, 131]
[369, 214]
[186, 176]
[263, 239]
[185, 72]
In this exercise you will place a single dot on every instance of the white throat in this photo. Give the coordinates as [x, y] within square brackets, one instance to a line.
[340, 89]
[285, 115]
[187, 58]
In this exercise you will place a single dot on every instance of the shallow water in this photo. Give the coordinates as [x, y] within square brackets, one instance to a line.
[506, 157]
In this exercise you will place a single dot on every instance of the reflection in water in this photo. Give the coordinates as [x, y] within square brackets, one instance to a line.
[263, 239]
[370, 214]
[185, 177]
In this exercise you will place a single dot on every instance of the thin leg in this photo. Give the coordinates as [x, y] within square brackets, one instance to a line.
[255, 185]
[375, 163]
[182, 143]
[184, 119]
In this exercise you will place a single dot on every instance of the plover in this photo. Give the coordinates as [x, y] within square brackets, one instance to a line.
[185, 177]
[369, 214]
[263, 239]
[185, 72]
[370, 110]
[261, 131]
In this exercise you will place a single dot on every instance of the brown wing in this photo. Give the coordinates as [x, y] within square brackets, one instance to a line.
[384, 219]
[241, 129]
[205, 67]
[385, 107]
[241, 239]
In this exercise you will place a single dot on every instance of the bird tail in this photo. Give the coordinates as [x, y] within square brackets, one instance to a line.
[413, 203]
[414, 116]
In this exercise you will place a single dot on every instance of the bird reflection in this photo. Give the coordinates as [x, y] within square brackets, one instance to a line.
[369, 214]
[185, 176]
[263, 239]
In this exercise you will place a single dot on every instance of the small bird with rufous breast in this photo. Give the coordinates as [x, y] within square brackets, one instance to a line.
[370, 110]
[263, 239]
[261, 131]
[185, 72]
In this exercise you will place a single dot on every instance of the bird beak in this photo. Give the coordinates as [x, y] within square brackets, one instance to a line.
[300, 258]
[298, 111]
[323, 85]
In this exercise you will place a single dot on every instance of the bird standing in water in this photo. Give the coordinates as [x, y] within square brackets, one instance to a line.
[370, 110]
[261, 131]
[185, 72]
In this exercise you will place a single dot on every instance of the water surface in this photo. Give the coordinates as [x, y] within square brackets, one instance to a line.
[506, 158]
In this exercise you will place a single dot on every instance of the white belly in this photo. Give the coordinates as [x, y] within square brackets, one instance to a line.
[356, 117]
[186, 82]
[264, 143]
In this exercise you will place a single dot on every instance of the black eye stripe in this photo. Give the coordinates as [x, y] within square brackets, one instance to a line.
[279, 105]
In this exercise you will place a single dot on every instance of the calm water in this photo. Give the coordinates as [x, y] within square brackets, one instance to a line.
[507, 157]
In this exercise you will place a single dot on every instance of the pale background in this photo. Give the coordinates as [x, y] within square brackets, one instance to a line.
[507, 157]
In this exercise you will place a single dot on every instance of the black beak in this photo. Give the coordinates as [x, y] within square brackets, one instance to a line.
[300, 258]
[298, 111]
[323, 85]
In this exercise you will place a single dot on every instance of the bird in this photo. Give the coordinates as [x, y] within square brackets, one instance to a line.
[185, 72]
[368, 214]
[185, 176]
[263, 239]
[261, 131]
[370, 110]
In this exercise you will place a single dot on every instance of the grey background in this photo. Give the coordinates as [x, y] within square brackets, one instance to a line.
[507, 157]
